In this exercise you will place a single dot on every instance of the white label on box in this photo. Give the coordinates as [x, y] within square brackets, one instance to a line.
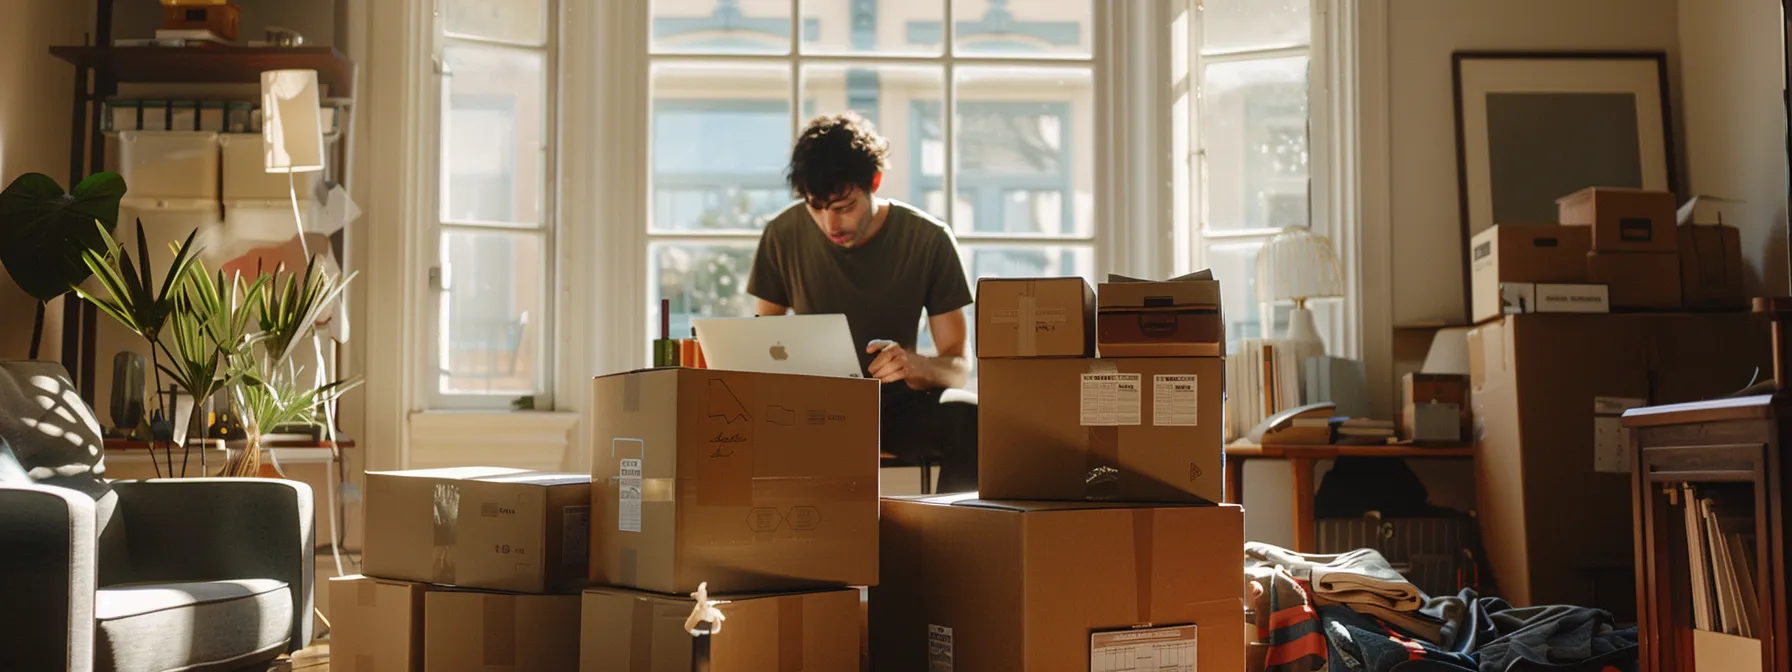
[628, 496]
[1611, 441]
[1173, 401]
[1560, 298]
[1169, 649]
[939, 648]
[1111, 399]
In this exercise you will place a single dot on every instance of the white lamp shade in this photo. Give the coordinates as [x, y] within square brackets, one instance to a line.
[291, 124]
[1298, 264]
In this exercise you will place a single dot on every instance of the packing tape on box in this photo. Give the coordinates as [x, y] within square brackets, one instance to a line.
[640, 636]
[1026, 331]
[445, 512]
[1144, 536]
[500, 629]
[367, 594]
[790, 633]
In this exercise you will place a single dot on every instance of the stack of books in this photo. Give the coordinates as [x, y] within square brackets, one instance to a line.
[1720, 546]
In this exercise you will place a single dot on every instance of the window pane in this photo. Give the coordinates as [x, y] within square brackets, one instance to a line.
[1235, 266]
[887, 96]
[721, 138]
[1243, 25]
[909, 27]
[492, 135]
[701, 280]
[1254, 133]
[1049, 28]
[518, 21]
[491, 312]
[722, 26]
[1025, 151]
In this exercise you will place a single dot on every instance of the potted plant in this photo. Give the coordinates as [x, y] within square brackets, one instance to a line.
[44, 231]
[270, 390]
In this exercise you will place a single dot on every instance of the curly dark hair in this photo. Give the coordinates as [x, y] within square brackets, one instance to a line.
[835, 153]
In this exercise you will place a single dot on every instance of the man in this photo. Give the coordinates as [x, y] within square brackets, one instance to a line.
[882, 263]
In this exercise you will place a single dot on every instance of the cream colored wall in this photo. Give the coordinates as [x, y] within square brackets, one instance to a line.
[1732, 66]
[1426, 227]
[34, 132]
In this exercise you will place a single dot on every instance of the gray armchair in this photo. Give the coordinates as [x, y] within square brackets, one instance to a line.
[165, 574]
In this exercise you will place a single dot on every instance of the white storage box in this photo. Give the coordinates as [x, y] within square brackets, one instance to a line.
[169, 165]
[246, 177]
[267, 221]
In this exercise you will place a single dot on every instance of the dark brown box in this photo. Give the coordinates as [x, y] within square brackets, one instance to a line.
[1555, 526]
[998, 586]
[1623, 220]
[1035, 317]
[1637, 280]
[1425, 388]
[1179, 317]
[1546, 253]
[1711, 267]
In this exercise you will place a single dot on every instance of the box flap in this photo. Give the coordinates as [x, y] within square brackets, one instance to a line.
[1031, 506]
[1203, 274]
[1704, 210]
[1178, 293]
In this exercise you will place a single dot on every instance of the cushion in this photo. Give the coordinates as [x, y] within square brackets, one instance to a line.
[193, 625]
[53, 434]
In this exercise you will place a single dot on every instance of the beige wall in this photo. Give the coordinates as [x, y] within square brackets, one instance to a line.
[1426, 227]
[34, 130]
[1732, 66]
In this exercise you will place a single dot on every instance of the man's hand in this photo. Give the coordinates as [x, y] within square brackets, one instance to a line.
[893, 364]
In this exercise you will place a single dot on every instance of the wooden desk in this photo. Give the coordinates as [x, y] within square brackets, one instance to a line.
[1301, 459]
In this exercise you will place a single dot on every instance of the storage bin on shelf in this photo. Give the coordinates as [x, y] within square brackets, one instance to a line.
[170, 166]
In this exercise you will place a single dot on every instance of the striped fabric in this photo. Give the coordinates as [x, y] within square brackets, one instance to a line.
[1291, 629]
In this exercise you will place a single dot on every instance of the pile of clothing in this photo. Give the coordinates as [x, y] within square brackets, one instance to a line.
[1352, 612]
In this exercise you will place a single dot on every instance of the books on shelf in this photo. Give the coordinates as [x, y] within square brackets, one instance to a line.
[1720, 547]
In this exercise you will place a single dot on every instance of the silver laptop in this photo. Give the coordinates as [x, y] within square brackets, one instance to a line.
[813, 345]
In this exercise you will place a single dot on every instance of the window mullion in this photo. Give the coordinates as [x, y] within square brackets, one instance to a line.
[949, 122]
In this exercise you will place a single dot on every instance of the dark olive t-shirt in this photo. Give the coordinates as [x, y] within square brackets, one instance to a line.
[911, 265]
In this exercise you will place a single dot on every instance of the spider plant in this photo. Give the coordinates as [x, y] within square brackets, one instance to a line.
[209, 326]
[290, 307]
[268, 395]
[133, 298]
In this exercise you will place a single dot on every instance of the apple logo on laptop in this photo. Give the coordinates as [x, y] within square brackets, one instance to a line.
[778, 352]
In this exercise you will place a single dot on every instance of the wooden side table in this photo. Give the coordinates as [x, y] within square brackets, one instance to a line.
[1302, 459]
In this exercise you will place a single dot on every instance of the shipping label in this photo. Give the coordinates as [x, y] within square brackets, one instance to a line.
[1111, 399]
[1170, 649]
[1611, 441]
[628, 496]
[1173, 402]
[939, 648]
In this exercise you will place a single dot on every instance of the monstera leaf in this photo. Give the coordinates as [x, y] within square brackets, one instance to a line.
[44, 230]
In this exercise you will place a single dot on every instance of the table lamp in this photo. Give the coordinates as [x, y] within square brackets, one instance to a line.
[1298, 265]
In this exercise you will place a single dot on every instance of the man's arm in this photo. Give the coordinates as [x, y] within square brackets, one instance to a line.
[947, 370]
[768, 309]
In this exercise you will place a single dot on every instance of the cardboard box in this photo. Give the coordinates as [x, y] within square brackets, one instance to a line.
[1507, 253]
[1518, 298]
[644, 632]
[1420, 389]
[1553, 486]
[376, 624]
[1142, 430]
[1711, 267]
[1035, 317]
[1179, 317]
[1010, 586]
[500, 632]
[479, 527]
[1623, 220]
[1637, 281]
[752, 482]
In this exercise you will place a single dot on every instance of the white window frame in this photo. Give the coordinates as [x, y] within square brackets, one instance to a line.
[1328, 201]
[434, 107]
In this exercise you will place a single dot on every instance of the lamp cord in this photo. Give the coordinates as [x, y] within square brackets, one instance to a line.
[317, 346]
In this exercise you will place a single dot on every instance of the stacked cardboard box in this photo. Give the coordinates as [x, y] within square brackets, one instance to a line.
[466, 569]
[1097, 539]
[759, 489]
[1635, 250]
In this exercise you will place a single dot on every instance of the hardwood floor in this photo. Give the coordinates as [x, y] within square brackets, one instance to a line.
[314, 658]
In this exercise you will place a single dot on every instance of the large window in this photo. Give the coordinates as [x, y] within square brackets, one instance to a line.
[733, 80]
[1242, 144]
[494, 222]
